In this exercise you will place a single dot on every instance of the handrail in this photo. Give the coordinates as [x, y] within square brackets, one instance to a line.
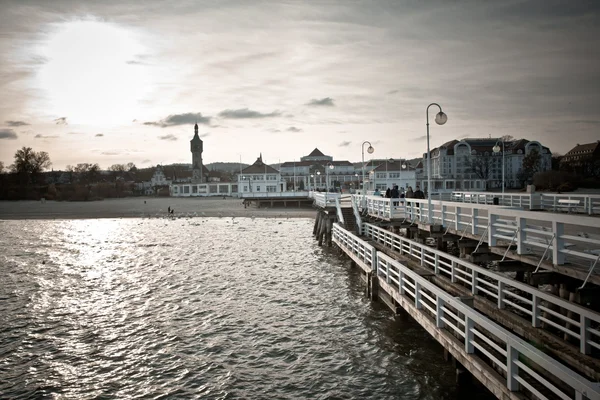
[477, 332]
[504, 290]
[503, 222]
[325, 199]
[363, 251]
[501, 347]
[338, 207]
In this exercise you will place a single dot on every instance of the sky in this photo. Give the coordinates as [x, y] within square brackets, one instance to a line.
[124, 81]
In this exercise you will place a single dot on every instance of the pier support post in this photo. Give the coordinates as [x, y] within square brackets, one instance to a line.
[329, 230]
[317, 220]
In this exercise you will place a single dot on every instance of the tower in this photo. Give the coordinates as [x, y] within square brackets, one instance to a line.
[196, 149]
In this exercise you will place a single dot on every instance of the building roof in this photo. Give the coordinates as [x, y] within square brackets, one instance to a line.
[481, 145]
[587, 148]
[395, 165]
[316, 153]
[291, 164]
[259, 167]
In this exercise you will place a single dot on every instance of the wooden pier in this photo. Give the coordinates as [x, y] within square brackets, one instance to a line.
[517, 339]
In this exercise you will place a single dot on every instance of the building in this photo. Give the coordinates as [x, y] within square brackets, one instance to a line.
[260, 178]
[317, 171]
[196, 147]
[583, 159]
[472, 164]
[201, 182]
[390, 173]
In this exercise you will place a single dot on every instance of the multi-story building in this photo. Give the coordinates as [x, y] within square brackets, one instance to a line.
[317, 171]
[582, 159]
[260, 178]
[472, 164]
[390, 173]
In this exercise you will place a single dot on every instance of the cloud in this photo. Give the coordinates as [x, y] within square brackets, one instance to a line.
[8, 134]
[169, 137]
[16, 123]
[274, 130]
[40, 136]
[99, 135]
[204, 135]
[74, 133]
[61, 121]
[345, 144]
[146, 161]
[110, 153]
[393, 91]
[293, 129]
[180, 119]
[327, 101]
[246, 113]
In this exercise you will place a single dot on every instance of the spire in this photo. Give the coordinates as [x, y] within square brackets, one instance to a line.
[196, 128]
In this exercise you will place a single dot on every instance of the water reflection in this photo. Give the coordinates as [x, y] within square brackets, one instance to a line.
[199, 307]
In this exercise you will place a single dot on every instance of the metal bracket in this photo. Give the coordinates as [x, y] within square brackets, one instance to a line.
[545, 251]
[589, 273]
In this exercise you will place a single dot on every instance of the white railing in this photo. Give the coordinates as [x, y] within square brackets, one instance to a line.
[518, 359]
[520, 200]
[323, 199]
[579, 203]
[557, 237]
[580, 324]
[382, 206]
[264, 195]
[361, 250]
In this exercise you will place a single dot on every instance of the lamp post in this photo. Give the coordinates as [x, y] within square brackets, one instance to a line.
[370, 150]
[402, 166]
[440, 119]
[318, 173]
[328, 167]
[496, 149]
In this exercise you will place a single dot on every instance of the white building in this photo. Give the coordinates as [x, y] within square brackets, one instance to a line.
[390, 173]
[260, 178]
[159, 178]
[317, 171]
[472, 164]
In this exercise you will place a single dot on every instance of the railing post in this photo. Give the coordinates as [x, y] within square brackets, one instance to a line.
[436, 263]
[423, 255]
[439, 312]
[474, 219]
[452, 271]
[474, 275]
[469, 335]
[443, 216]
[457, 218]
[512, 369]
[492, 231]
[521, 235]
[500, 294]
[584, 346]
[374, 260]
[400, 281]
[558, 257]
[417, 295]
[535, 311]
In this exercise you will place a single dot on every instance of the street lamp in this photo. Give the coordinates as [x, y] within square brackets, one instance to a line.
[329, 166]
[440, 119]
[370, 150]
[318, 173]
[496, 149]
[402, 166]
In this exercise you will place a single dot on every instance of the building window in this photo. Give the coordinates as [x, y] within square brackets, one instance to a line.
[194, 189]
[271, 177]
[381, 175]
[394, 175]
[258, 188]
[271, 189]
[186, 189]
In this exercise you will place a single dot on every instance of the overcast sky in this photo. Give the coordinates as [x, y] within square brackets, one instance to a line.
[118, 81]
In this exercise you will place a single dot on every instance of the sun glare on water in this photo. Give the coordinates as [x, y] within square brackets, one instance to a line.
[94, 74]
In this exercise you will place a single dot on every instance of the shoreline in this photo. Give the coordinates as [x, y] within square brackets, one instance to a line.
[144, 207]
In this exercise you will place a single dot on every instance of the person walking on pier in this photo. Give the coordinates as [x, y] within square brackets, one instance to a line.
[419, 193]
[388, 193]
[409, 193]
[395, 194]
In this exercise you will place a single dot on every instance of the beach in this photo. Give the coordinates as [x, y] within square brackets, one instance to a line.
[141, 207]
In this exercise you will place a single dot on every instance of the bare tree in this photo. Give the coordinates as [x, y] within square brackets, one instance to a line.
[1, 167]
[89, 173]
[130, 167]
[481, 166]
[531, 165]
[29, 164]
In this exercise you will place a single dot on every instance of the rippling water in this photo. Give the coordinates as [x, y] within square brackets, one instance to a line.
[212, 308]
